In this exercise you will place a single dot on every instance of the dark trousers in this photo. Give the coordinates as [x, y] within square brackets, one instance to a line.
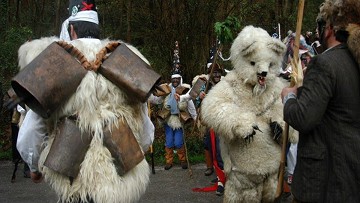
[15, 153]
[207, 145]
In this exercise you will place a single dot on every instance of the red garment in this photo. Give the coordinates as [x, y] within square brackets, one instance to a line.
[219, 173]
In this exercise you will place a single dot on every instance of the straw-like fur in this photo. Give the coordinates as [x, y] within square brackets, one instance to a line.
[98, 103]
[236, 104]
[173, 120]
[354, 40]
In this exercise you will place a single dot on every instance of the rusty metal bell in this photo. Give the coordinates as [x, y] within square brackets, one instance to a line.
[123, 146]
[130, 73]
[195, 90]
[68, 149]
[49, 80]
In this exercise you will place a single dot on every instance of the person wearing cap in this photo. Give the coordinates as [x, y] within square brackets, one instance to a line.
[325, 111]
[214, 79]
[97, 106]
[212, 150]
[173, 120]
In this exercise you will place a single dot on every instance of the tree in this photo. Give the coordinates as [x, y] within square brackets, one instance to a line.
[154, 25]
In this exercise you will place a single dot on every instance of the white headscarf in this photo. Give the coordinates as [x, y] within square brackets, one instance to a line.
[89, 16]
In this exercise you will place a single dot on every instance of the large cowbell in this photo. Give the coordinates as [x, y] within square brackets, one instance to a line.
[49, 80]
[130, 73]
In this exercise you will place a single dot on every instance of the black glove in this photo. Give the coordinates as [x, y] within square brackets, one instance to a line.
[250, 137]
[12, 102]
[276, 130]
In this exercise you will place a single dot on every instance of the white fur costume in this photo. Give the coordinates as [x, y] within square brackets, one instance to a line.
[97, 102]
[236, 104]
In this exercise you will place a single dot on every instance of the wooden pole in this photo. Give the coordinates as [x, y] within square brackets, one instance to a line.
[151, 146]
[280, 184]
[218, 47]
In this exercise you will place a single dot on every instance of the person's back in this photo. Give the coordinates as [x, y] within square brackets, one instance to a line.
[92, 117]
[342, 133]
[339, 127]
[325, 112]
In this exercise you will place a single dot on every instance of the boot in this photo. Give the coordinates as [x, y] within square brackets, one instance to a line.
[209, 163]
[182, 157]
[169, 156]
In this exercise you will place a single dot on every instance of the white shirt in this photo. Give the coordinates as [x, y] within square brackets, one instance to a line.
[32, 134]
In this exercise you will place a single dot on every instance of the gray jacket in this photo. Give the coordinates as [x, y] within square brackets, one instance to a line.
[327, 116]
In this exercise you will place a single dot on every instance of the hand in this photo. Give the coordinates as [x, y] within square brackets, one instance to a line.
[177, 97]
[276, 130]
[202, 95]
[288, 90]
[250, 137]
[36, 176]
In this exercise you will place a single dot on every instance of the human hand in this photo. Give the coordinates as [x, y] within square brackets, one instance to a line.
[288, 90]
[202, 95]
[177, 97]
[36, 177]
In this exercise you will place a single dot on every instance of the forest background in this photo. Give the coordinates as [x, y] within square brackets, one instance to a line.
[152, 26]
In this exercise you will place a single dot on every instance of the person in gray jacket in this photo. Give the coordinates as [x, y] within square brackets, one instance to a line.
[325, 111]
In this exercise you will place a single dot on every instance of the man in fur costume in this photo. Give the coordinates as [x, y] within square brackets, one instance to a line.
[98, 106]
[173, 115]
[245, 110]
[325, 110]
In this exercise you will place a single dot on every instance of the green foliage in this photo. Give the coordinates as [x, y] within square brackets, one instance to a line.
[194, 145]
[13, 38]
[7, 155]
[228, 29]
[10, 42]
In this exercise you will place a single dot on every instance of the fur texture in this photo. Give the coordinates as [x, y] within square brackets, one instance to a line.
[354, 40]
[236, 104]
[173, 120]
[98, 103]
[340, 13]
[344, 15]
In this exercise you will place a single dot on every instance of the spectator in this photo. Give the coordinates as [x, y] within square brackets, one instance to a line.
[325, 111]
[308, 35]
[171, 117]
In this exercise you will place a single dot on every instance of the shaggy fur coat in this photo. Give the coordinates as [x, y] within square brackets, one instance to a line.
[98, 103]
[238, 103]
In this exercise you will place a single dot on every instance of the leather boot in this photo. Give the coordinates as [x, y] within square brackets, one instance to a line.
[169, 156]
[182, 157]
[209, 163]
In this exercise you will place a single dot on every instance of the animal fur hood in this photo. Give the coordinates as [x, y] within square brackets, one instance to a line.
[344, 15]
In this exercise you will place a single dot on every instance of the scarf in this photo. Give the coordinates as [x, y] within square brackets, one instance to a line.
[172, 103]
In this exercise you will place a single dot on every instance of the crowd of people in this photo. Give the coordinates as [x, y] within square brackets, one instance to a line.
[322, 164]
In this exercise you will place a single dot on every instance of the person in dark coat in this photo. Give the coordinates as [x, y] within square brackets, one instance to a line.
[325, 111]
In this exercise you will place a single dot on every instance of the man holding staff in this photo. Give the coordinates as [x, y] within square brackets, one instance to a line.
[325, 111]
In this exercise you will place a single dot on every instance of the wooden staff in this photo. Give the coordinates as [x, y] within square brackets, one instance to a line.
[151, 146]
[296, 68]
[212, 69]
[206, 86]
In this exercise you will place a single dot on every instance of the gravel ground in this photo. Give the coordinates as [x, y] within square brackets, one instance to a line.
[174, 185]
